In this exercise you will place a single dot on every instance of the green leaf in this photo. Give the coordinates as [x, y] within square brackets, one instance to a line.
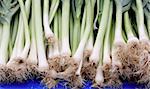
[7, 9]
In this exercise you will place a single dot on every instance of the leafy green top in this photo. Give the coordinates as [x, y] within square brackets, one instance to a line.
[7, 10]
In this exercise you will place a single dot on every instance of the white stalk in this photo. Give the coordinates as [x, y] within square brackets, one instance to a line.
[118, 27]
[19, 42]
[106, 54]
[95, 57]
[118, 40]
[79, 59]
[65, 51]
[78, 56]
[4, 45]
[99, 78]
[48, 32]
[50, 52]
[32, 58]
[25, 14]
[1, 32]
[42, 61]
[89, 46]
[56, 30]
[78, 72]
[18, 50]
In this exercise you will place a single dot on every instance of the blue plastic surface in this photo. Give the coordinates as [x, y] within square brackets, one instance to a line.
[36, 85]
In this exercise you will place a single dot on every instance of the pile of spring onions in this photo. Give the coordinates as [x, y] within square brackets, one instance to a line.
[105, 41]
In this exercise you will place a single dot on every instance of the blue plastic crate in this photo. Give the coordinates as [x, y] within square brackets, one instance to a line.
[35, 84]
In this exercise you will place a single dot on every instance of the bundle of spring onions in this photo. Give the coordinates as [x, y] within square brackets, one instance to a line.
[105, 41]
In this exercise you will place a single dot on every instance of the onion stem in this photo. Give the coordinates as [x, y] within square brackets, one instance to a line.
[32, 58]
[48, 32]
[95, 57]
[78, 56]
[42, 61]
[140, 21]
[27, 35]
[56, 44]
[53, 9]
[5, 42]
[65, 49]
[1, 31]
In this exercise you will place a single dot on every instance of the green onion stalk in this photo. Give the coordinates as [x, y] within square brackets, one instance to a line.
[100, 5]
[5, 38]
[47, 30]
[76, 32]
[3, 48]
[144, 44]
[32, 59]
[54, 51]
[18, 44]
[83, 23]
[75, 63]
[146, 7]
[42, 61]
[21, 49]
[60, 52]
[65, 50]
[89, 46]
[53, 9]
[132, 49]
[50, 54]
[143, 34]
[53, 57]
[98, 46]
[76, 9]
[71, 27]
[43, 66]
[14, 31]
[106, 62]
[104, 59]
[118, 46]
[147, 14]
[79, 55]
[60, 28]
[49, 34]
[1, 30]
